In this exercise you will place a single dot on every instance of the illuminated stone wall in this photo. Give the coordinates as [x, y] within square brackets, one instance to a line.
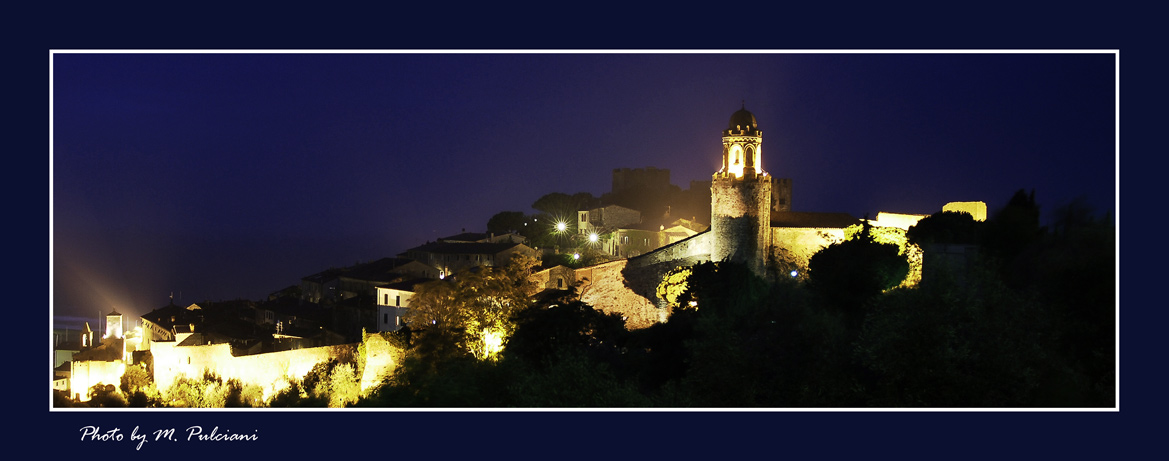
[606, 291]
[975, 209]
[793, 247]
[271, 371]
[85, 374]
[381, 360]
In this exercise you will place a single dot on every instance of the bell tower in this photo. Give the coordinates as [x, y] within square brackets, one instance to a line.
[740, 197]
[113, 325]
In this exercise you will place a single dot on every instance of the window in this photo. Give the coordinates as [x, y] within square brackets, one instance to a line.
[398, 301]
[386, 318]
[387, 299]
[560, 282]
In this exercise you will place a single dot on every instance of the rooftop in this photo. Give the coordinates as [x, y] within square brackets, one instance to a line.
[812, 219]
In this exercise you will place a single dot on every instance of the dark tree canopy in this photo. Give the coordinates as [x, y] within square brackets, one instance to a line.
[849, 273]
[506, 222]
[945, 227]
[1015, 227]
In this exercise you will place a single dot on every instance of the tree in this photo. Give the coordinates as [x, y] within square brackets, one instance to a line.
[978, 344]
[1014, 228]
[849, 273]
[134, 379]
[559, 205]
[474, 308]
[506, 222]
[946, 227]
[544, 331]
[106, 396]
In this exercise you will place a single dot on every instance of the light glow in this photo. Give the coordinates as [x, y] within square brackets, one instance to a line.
[593, 237]
[492, 343]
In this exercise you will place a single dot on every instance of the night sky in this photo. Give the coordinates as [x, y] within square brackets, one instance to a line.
[223, 176]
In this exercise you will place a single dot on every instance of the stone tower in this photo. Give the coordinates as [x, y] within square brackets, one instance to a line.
[740, 197]
[114, 325]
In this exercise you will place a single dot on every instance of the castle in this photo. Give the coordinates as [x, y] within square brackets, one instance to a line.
[751, 223]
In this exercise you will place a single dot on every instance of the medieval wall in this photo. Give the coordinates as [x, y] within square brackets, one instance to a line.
[271, 371]
[629, 286]
[381, 359]
[793, 247]
[605, 290]
[85, 374]
[975, 209]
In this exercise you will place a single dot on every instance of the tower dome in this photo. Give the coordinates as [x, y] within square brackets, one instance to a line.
[742, 121]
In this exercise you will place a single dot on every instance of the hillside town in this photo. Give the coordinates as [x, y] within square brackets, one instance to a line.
[613, 252]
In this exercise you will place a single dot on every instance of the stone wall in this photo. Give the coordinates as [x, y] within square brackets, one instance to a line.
[793, 247]
[271, 371]
[605, 290]
[85, 374]
[629, 286]
[381, 360]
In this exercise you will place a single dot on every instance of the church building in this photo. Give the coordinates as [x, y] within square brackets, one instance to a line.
[751, 223]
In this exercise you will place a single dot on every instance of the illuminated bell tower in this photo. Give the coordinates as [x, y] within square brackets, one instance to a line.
[740, 197]
[114, 325]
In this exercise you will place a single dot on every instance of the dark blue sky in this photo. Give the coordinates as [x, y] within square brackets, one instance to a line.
[223, 176]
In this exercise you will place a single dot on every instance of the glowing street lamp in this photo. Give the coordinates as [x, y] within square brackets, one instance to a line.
[561, 226]
[593, 237]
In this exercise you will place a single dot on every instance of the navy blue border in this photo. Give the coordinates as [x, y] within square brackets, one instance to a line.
[721, 435]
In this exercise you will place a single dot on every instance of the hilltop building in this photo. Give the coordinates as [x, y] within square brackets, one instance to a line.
[751, 222]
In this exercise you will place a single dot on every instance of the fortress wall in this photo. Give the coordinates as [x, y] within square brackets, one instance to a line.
[629, 287]
[793, 247]
[271, 371]
[975, 209]
[606, 291]
[85, 374]
[696, 246]
[381, 360]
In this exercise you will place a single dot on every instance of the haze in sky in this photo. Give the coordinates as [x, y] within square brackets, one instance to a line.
[215, 176]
